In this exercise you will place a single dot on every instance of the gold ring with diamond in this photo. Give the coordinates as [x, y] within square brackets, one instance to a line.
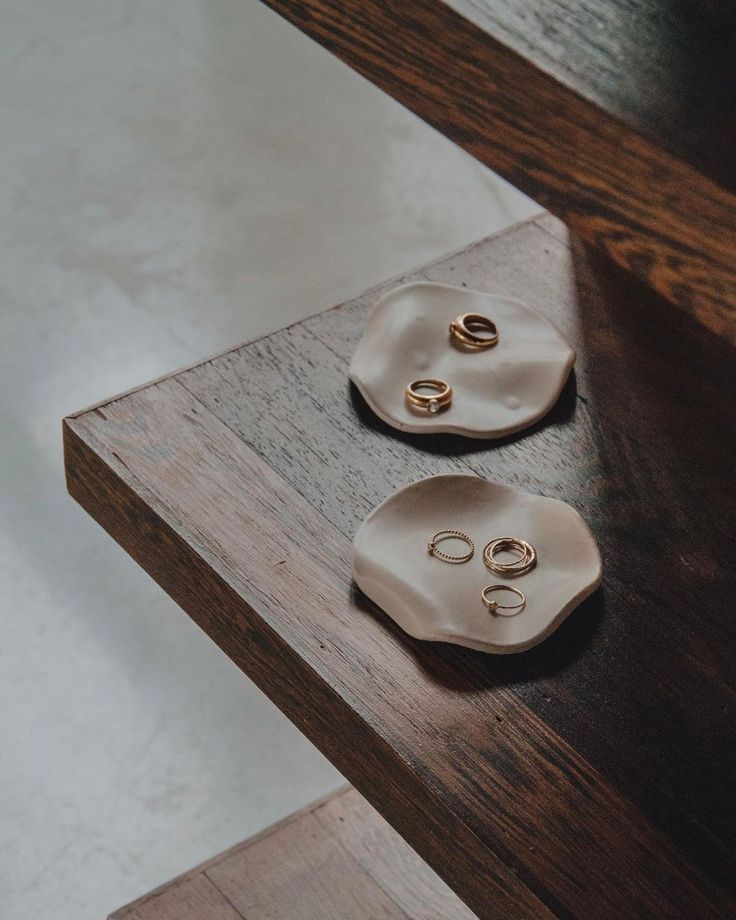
[494, 606]
[439, 397]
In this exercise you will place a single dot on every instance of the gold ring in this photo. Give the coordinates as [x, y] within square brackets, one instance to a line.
[494, 606]
[525, 563]
[464, 329]
[448, 535]
[430, 402]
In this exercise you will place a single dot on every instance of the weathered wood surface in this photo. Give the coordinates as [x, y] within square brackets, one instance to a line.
[618, 117]
[588, 777]
[336, 860]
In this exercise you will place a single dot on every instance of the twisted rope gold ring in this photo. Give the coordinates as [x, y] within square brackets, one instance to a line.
[448, 557]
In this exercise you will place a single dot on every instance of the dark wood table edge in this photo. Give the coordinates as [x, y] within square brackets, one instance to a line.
[78, 439]
[95, 485]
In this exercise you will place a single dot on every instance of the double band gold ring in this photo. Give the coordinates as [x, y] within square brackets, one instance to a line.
[525, 563]
[494, 606]
[439, 397]
[449, 557]
[474, 330]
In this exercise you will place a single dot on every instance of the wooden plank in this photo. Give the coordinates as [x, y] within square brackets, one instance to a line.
[388, 860]
[650, 454]
[303, 874]
[310, 865]
[609, 116]
[194, 898]
[534, 784]
[307, 875]
[295, 669]
[353, 686]
[250, 841]
[350, 682]
[290, 621]
[664, 69]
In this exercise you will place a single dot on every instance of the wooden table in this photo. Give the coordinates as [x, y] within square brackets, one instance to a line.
[619, 117]
[591, 777]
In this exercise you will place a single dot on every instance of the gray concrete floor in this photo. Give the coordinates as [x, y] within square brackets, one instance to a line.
[176, 178]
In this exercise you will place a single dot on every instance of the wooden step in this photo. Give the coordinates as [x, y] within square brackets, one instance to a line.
[614, 115]
[336, 859]
[538, 781]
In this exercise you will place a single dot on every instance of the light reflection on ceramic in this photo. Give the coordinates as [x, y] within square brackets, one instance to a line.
[496, 391]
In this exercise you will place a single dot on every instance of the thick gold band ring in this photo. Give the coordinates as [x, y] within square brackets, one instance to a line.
[439, 398]
[448, 557]
[494, 606]
[525, 563]
[465, 328]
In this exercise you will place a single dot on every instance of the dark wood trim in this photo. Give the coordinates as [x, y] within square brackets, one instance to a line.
[653, 213]
[127, 511]
[505, 811]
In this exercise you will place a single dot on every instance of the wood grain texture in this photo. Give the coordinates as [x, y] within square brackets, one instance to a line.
[467, 793]
[291, 659]
[336, 859]
[193, 898]
[588, 777]
[306, 874]
[662, 68]
[618, 118]
[642, 467]
[385, 856]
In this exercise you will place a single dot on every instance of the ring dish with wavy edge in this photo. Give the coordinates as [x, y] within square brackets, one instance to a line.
[443, 603]
[496, 391]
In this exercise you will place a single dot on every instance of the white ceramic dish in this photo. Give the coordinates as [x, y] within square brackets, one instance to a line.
[497, 391]
[434, 600]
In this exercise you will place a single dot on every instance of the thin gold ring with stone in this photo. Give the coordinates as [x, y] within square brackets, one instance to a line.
[525, 563]
[457, 558]
[433, 402]
[494, 606]
[464, 329]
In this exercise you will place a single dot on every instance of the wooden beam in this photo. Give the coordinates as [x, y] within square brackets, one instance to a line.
[536, 115]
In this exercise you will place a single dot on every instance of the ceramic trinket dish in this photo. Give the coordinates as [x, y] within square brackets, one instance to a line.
[432, 600]
[495, 391]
